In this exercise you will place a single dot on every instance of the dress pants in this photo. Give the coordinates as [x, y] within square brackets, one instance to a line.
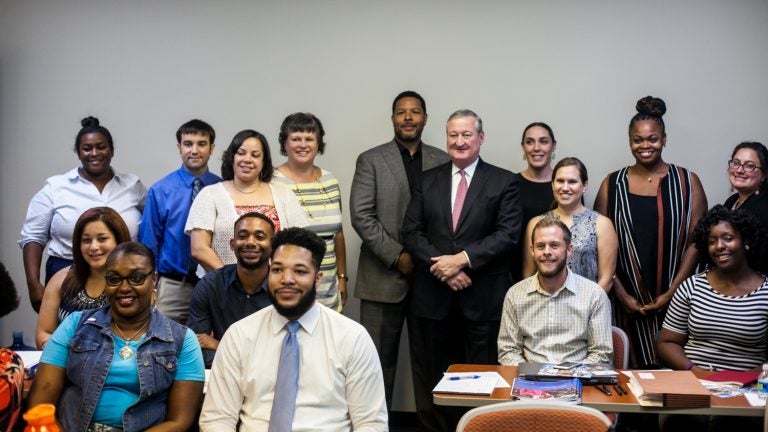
[384, 322]
[437, 344]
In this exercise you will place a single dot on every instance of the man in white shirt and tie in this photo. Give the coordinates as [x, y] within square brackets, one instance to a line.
[296, 365]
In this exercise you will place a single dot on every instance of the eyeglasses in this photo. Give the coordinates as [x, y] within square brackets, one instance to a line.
[735, 164]
[134, 279]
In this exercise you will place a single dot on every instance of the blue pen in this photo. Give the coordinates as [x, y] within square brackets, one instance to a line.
[457, 378]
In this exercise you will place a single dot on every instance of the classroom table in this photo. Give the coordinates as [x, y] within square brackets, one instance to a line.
[592, 397]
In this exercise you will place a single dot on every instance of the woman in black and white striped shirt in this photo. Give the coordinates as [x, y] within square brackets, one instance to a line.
[718, 319]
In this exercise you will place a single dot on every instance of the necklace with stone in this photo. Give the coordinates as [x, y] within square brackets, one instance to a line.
[126, 351]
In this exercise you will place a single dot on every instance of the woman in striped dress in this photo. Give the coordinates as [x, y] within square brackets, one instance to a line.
[301, 140]
[654, 207]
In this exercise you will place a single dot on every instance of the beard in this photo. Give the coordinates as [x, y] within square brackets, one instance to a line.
[414, 137]
[300, 308]
[555, 271]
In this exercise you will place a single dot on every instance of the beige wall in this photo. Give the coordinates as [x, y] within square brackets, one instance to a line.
[144, 67]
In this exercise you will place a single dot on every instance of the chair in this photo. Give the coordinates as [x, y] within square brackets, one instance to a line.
[620, 359]
[620, 348]
[533, 417]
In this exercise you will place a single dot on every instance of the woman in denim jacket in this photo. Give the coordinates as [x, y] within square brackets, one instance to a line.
[124, 366]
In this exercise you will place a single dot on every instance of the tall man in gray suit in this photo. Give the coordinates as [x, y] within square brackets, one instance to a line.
[381, 190]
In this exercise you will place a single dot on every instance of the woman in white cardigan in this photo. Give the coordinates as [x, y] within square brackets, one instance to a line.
[247, 172]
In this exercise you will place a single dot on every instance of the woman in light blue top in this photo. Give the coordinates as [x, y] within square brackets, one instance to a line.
[124, 366]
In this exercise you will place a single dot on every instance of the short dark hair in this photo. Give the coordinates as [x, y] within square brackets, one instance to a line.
[303, 238]
[650, 108]
[196, 126]
[9, 297]
[228, 158]
[411, 94]
[753, 235]
[91, 124]
[301, 122]
[541, 125]
[548, 221]
[131, 248]
[255, 215]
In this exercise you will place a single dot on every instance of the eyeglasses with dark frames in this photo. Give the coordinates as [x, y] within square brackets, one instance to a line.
[134, 279]
[735, 164]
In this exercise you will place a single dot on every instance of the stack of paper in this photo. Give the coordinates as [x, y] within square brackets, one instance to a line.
[562, 391]
[671, 389]
[474, 383]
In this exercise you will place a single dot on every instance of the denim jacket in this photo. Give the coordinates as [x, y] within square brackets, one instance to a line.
[91, 350]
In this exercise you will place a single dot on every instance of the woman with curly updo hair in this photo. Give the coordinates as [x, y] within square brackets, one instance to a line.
[654, 206]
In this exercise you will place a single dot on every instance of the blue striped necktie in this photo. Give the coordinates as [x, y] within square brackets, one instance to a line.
[197, 184]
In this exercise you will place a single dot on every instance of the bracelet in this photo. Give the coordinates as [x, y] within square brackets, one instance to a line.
[689, 365]
[343, 276]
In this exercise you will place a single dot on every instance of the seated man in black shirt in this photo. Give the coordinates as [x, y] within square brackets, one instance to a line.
[231, 293]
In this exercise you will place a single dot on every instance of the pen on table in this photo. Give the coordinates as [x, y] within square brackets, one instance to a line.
[466, 377]
[619, 390]
[623, 390]
[604, 390]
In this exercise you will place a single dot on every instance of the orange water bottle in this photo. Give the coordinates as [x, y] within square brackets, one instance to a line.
[41, 418]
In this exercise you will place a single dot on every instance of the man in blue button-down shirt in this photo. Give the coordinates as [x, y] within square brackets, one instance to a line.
[165, 213]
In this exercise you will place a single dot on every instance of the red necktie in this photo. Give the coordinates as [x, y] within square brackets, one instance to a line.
[458, 203]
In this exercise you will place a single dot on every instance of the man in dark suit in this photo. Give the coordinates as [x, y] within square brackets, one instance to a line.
[460, 227]
[381, 190]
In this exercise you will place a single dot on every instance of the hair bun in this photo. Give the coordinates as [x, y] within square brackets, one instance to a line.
[89, 121]
[651, 106]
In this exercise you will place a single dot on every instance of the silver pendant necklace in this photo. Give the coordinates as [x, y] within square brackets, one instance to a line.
[126, 351]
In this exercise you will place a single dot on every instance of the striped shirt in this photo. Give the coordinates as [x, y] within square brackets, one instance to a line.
[573, 324]
[321, 201]
[724, 332]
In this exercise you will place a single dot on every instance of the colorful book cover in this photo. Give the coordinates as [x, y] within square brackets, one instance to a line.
[563, 391]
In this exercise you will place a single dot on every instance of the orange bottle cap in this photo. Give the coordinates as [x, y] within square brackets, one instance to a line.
[41, 414]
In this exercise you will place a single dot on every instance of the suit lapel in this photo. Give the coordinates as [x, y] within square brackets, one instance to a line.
[429, 158]
[477, 184]
[394, 161]
[442, 194]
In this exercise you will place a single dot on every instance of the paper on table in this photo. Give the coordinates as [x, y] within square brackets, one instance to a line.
[754, 399]
[483, 384]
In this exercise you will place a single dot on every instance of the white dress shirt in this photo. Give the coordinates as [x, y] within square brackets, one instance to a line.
[340, 381]
[54, 210]
[469, 173]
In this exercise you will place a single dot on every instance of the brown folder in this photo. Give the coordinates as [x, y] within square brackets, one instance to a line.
[676, 389]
